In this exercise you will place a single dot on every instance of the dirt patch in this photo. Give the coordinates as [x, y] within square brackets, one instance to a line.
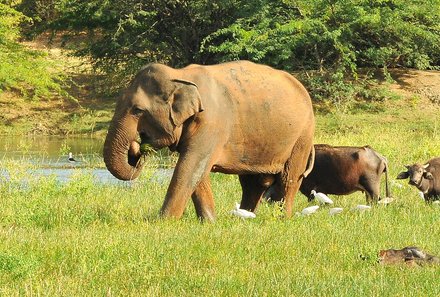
[410, 83]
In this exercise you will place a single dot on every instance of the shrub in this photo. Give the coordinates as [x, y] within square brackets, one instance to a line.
[21, 69]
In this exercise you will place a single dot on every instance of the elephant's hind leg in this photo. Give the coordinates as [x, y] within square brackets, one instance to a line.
[204, 201]
[292, 175]
[253, 186]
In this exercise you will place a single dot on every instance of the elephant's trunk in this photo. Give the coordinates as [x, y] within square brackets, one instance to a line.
[121, 150]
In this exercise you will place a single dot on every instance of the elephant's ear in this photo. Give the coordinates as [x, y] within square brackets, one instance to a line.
[185, 101]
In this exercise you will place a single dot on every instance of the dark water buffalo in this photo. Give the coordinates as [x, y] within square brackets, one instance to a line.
[425, 177]
[342, 170]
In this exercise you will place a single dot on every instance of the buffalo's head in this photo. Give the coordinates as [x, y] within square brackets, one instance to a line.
[416, 173]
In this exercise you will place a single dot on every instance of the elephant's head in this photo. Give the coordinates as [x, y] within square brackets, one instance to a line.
[154, 108]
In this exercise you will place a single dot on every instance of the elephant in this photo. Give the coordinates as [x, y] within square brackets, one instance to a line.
[235, 118]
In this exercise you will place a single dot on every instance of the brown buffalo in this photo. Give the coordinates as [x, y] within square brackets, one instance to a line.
[342, 170]
[424, 177]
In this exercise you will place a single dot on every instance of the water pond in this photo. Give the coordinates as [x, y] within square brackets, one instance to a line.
[49, 155]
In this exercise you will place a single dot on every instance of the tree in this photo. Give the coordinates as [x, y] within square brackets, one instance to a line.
[22, 69]
[330, 39]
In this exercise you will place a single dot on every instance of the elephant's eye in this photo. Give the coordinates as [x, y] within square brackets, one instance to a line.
[137, 111]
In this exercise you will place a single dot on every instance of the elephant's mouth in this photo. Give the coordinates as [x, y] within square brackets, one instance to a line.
[158, 143]
[134, 154]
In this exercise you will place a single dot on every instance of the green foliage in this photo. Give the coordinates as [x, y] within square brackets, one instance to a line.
[330, 38]
[337, 34]
[22, 69]
[122, 36]
[335, 38]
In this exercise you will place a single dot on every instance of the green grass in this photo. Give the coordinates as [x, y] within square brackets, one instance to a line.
[89, 239]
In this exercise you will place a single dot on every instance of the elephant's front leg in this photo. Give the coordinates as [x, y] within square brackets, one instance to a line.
[190, 170]
[204, 201]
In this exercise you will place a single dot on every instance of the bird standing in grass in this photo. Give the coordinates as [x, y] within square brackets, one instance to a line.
[361, 207]
[321, 197]
[309, 210]
[242, 213]
[335, 210]
[386, 200]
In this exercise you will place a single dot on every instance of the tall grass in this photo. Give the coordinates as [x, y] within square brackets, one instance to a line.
[82, 238]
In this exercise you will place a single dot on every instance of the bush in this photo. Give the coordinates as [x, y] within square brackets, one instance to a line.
[21, 69]
[332, 38]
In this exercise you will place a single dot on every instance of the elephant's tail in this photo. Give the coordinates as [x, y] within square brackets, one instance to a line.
[310, 162]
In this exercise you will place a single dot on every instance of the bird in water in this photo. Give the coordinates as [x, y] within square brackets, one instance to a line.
[321, 197]
[242, 213]
[71, 159]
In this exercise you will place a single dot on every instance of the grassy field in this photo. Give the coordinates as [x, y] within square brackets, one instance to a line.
[89, 239]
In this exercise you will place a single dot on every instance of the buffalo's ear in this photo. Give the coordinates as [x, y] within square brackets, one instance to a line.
[428, 175]
[403, 175]
[185, 101]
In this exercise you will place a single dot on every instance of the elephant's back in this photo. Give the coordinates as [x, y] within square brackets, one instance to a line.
[268, 109]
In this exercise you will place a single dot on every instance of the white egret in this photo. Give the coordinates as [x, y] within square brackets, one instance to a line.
[321, 197]
[386, 200]
[335, 210]
[361, 207]
[309, 210]
[242, 213]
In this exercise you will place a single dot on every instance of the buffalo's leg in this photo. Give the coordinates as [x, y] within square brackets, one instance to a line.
[274, 192]
[372, 189]
[204, 201]
[253, 187]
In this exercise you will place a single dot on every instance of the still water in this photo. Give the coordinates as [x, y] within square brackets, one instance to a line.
[50, 149]
[49, 155]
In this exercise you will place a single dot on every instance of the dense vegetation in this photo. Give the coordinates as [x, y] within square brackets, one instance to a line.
[327, 41]
[22, 69]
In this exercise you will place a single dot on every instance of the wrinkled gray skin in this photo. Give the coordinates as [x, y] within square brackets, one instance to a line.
[424, 177]
[237, 118]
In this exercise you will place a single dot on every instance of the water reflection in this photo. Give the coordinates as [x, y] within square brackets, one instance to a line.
[49, 156]
[50, 149]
